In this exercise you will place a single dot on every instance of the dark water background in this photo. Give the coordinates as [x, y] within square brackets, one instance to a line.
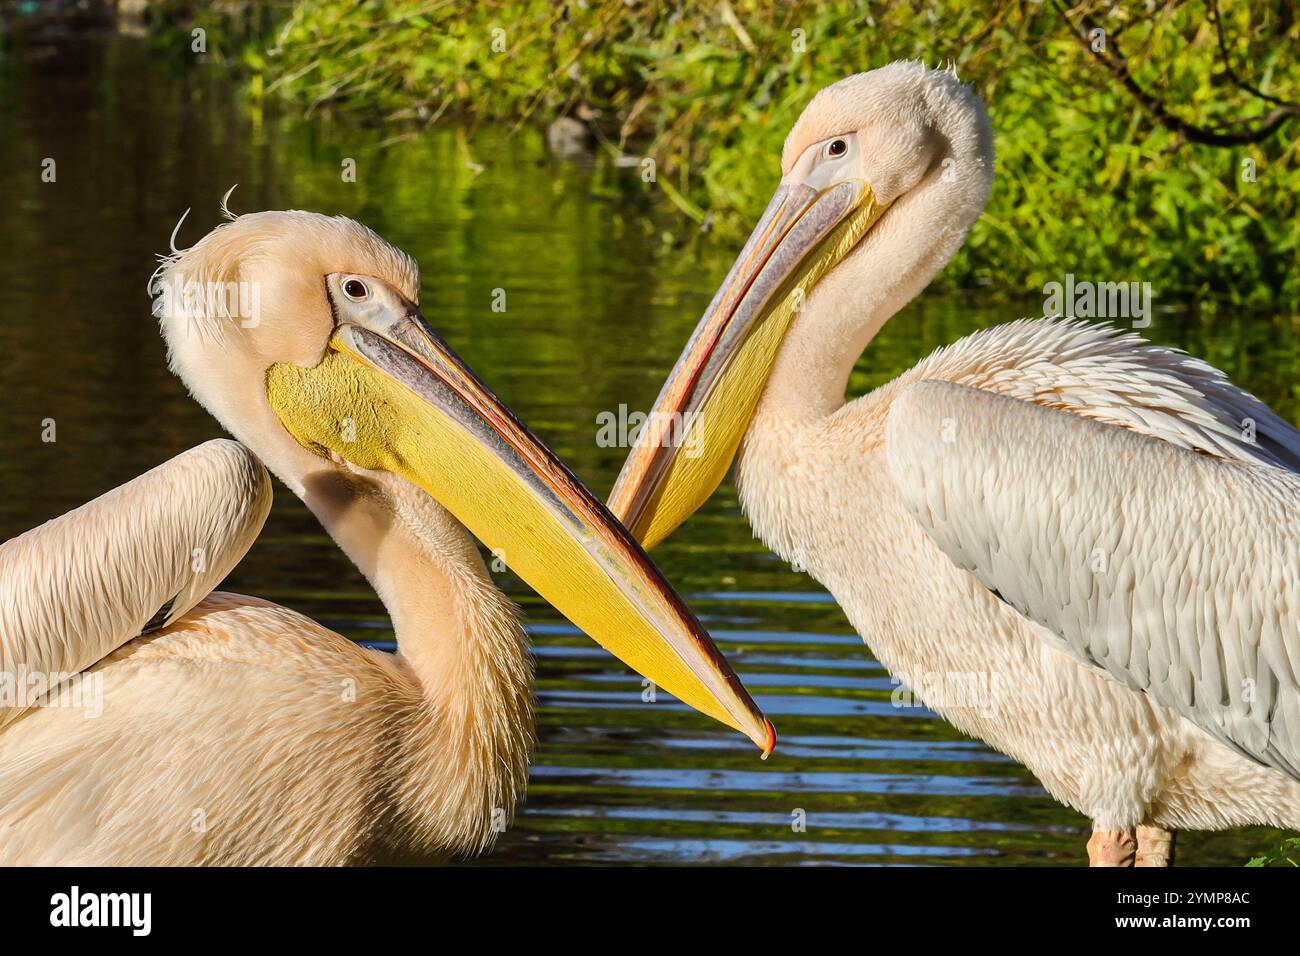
[598, 305]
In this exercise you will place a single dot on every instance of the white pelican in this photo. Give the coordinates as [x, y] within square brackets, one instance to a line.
[1101, 531]
[238, 732]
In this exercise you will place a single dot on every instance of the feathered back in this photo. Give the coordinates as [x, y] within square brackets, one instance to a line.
[1119, 378]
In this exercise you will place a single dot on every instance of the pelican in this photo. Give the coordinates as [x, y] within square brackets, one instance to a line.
[1102, 531]
[152, 721]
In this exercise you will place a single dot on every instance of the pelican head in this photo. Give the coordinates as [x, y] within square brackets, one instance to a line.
[303, 335]
[881, 177]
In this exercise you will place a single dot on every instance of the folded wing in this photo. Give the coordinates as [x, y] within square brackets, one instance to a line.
[1175, 571]
[137, 558]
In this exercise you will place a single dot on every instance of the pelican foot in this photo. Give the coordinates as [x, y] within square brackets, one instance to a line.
[1155, 846]
[1111, 848]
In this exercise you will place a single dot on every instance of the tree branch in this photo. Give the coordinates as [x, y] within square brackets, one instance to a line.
[1227, 60]
[1113, 60]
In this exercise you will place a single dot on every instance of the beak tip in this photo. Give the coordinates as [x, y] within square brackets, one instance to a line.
[771, 739]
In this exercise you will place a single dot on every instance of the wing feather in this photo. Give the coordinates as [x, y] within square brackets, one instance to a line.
[1172, 570]
[81, 585]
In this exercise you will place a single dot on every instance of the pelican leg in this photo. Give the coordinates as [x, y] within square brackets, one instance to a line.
[1155, 846]
[1111, 847]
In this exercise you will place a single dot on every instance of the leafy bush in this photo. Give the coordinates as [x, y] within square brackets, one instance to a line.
[1088, 182]
[1285, 853]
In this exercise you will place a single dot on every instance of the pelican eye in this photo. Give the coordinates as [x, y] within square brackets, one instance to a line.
[837, 147]
[355, 289]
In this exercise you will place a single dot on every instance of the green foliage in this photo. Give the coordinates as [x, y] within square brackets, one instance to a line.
[1285, 853]
[1088, 182]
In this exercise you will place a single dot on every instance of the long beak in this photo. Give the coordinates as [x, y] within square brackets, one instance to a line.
[402, 402]
[690, 438]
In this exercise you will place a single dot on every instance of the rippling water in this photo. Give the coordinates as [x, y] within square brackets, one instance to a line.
[600, 298]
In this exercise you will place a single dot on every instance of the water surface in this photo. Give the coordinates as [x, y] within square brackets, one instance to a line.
[598, 303]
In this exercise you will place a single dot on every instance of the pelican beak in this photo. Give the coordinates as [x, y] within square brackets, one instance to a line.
[688, 441]
[399, 400]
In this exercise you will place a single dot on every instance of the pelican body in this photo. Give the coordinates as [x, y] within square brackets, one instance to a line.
[1104, 532]
[162, 723]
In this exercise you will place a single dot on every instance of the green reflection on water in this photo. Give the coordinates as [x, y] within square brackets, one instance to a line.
[597, 309]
